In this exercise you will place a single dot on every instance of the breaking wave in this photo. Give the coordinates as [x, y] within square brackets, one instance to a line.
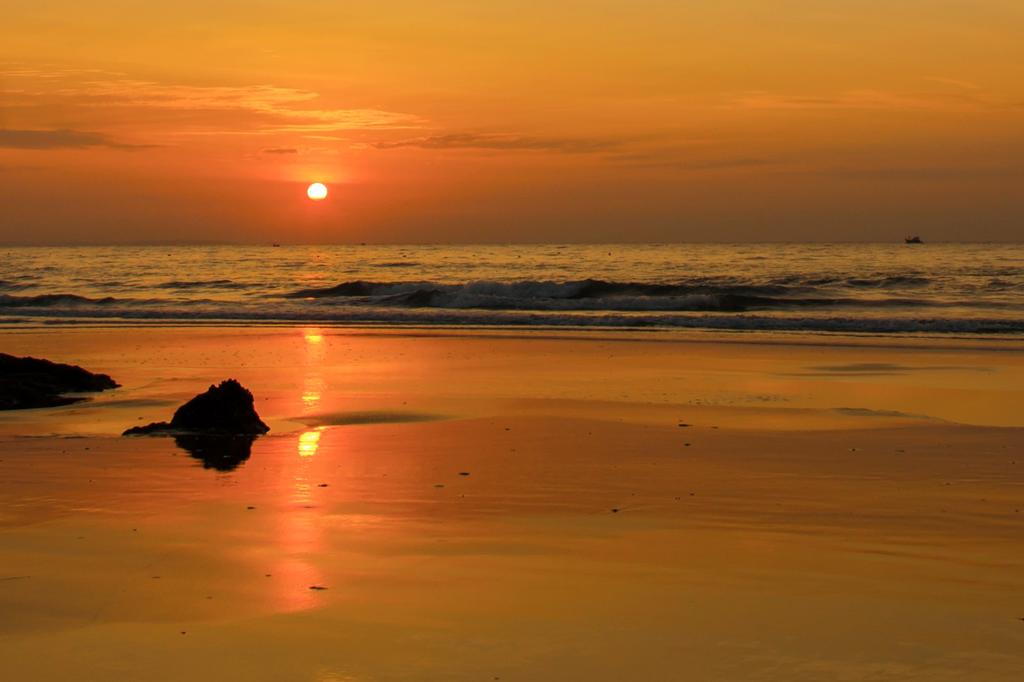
[52, 300]
[204, 284]
[586, 295]
[966, 289]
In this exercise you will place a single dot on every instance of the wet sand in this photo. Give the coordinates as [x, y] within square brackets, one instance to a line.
[521, 507]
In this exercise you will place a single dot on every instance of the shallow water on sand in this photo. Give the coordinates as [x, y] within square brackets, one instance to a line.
[484, 506]
[573, 549]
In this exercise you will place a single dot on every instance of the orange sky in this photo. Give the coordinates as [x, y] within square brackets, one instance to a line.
[469, 121]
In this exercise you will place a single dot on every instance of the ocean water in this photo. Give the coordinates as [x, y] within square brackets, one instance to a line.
[965, 289]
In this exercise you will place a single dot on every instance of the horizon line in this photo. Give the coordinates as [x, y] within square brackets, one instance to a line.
[271, 244]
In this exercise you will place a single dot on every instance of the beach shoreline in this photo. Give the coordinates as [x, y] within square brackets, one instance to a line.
[522, 506]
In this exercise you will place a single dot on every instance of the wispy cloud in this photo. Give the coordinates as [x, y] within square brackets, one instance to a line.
[963, 85]
[684, 163]
[57, 139]
[128, 92]
[652, 151]
[926, 173]
[281, 150]
[876, 100]
[283, 109]
[506, 142]
[171, 108]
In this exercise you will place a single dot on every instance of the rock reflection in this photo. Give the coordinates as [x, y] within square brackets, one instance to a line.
[223, 453]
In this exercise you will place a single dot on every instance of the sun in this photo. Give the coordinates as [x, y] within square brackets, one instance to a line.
[317, 191]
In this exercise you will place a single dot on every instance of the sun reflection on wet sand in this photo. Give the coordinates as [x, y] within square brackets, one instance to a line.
[311, 394]
[313, 384]
[309, 442]
[298, 531]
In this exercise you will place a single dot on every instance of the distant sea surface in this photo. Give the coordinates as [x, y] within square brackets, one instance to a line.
[938, 289]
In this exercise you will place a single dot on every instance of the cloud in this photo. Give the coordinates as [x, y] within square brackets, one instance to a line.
[281, 150]
[722, 164]
[283, 107]
[927, 173]
[57, 139]
[194, 109]
[505, 142]
[963, 85]
[632, 152]
[680, 162]
[865, 100]
[123, 91]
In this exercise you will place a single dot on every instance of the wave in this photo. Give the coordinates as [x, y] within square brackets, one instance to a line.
[587, 295]
[204, 284]
[51, 300]
[880, 281]
[1002, 285]
[77, 302]
[808, 301]
[887, 282]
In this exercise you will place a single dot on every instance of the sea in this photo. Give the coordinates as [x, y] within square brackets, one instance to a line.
[880, 289]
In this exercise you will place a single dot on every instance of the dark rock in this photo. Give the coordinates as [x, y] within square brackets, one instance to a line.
[32, 382]
[224, 410]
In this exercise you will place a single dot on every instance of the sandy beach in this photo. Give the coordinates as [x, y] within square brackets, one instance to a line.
[521, 506]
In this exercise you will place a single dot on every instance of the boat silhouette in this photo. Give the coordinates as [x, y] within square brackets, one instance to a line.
[912, 240]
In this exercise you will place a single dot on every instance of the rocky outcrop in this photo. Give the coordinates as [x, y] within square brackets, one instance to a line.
[224, 410]
[32, 382]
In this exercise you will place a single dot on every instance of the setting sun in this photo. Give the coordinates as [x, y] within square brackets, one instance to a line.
[317, 191]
